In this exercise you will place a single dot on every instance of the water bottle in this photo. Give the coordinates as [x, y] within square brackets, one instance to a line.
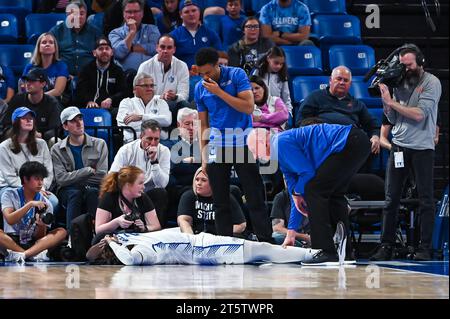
[445, 251]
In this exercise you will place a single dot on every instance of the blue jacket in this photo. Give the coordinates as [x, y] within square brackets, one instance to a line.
[301, 151]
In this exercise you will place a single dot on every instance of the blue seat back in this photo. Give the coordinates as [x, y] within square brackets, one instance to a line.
[358, 58]
[336, 29]
[303, 60]
[303, 86]
[19, 8]
[213, 3]
[258, 4]
[325, 6]
[213, 22]
[96, 20]
[9, 28]
[38, 23]
[99, 117]
[359, 90]
[16, 56]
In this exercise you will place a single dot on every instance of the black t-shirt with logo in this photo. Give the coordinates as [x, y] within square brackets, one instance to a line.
[201, 209]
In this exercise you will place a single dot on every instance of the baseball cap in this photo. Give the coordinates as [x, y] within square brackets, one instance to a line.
[185, 3]
[21, 112]
[36, 74]
[102, 41]
[69, 114]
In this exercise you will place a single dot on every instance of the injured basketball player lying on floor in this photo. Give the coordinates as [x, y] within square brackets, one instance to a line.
[170, 246]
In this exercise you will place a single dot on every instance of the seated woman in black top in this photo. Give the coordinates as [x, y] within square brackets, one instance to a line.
[123, 204]
[195, 210]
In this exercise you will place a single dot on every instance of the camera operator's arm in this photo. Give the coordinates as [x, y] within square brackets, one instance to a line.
[104, 224]
[12, 216]
[412, 112]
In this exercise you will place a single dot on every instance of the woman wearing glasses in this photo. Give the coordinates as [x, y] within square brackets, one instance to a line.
[246, 52]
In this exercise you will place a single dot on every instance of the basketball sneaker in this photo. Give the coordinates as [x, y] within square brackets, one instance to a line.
[42, 256]
[15, 256]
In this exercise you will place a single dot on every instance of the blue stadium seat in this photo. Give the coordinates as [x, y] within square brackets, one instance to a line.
[303, 85]
[38, 23]
[258, 4]
[16, 56]
[325, 6]
[9, 29]
[19, 8]
[303, 60]
[358, 58]
[379, 162]
[341, 29]
[359, 90]
[96, 20]
[214, 3]
[213, 22]
[99, 117]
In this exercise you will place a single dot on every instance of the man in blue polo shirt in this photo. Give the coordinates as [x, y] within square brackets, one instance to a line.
[317, 161]
[225, 103]
[192, 35]
[286, 22]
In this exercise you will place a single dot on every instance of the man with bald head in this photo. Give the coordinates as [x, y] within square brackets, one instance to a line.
[334, 105]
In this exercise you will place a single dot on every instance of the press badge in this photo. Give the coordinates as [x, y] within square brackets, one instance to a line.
[398, 160]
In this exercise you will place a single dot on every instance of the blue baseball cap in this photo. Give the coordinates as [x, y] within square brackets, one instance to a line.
[21, 112]
[185, 3]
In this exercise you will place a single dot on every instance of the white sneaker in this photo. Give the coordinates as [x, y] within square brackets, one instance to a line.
[42, 256]
[122, 253]
[15, 256]
[340, 240]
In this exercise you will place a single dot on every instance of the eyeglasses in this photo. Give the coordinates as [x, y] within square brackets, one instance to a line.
[150, 86]
[252, 26]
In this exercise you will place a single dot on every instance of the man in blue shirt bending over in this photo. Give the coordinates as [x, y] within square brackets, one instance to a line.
[318, 161]
[225, 103]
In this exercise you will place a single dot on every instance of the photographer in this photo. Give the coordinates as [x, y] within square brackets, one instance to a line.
[123, 204]
[27, 214]
[413, 112]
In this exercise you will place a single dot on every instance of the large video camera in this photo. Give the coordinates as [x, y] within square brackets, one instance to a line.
[389, 71]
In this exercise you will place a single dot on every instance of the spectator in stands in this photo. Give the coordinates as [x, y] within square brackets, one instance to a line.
[46, 56]
[280, 215]
[114, 16]
[23, 146]
[318, 161]
[45, 107]
[170, 74]
[123, 206]
[231, 23]
[101, 5]
[246, 52]
[225, 101]
[270, 111]
[80, 162]
[335, 105]
[25, 234]
[134, 42]
[153, 159]
[75, 37]
[101, 83]
[48, 6]
[143, 106]
[272, 68]
[7, 85]
[192, 35]
[169, 19]
[286, 22]
[413, 134]
[196, 211]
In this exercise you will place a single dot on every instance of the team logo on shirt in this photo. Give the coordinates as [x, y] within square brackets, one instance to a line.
[171, 79]
[205, 39]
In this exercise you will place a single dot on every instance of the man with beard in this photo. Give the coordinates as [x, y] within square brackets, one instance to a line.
[413, 112]
[101, 83]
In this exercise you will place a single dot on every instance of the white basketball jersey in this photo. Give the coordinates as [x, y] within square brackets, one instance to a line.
[171, 247]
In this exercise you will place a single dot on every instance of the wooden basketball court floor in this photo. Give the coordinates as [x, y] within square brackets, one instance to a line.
[386, 280]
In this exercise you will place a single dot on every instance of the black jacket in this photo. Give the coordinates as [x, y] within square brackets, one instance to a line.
[95, 86]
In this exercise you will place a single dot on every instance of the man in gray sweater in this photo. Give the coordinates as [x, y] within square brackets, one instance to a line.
[80, 162]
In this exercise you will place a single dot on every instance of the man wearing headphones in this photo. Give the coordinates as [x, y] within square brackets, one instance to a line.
[413, 112]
